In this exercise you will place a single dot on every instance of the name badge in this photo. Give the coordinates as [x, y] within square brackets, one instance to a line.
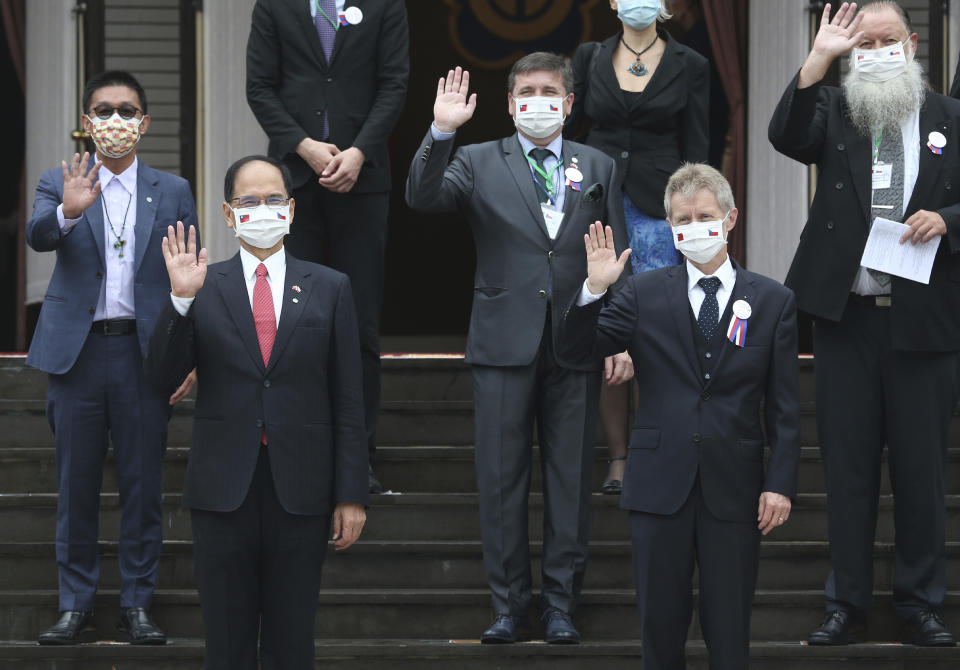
[882, 175]
[552, 218]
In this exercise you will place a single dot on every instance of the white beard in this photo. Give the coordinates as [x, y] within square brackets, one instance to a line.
[876, 105]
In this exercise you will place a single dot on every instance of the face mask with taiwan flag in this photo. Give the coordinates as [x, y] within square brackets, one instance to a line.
[878, 65]
[537, 116]
[261, 226]
[700, 241]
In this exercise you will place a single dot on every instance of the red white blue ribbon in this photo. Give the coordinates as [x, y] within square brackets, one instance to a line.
[737, 333]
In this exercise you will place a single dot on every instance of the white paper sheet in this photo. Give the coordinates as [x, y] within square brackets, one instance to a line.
[884, 252]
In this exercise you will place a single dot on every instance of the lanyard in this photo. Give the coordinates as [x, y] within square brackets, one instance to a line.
[335, 24]
[548, 177]
[876, 146]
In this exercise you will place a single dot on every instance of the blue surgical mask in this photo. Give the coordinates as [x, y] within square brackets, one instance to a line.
[638, 14]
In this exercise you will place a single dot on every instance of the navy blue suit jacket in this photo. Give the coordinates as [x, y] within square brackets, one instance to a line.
[686, 425]
[74, 289]
[309, 396]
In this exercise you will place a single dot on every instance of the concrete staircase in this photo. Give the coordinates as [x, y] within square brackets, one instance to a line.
[411, 593]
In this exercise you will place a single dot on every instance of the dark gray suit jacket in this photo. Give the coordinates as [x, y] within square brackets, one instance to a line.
[308, 397]
[518, 265]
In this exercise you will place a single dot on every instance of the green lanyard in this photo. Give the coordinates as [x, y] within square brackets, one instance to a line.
[876, 146]
[335, 24]
[547, 177]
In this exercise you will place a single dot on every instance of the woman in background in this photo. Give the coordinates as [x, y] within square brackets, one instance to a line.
[643, 99]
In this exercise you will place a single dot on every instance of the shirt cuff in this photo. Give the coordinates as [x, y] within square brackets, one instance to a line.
[66, 225]
[182, 305]
[439, 136]
[586, 297]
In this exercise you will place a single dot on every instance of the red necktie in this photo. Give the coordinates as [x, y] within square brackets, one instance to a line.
[265, 320]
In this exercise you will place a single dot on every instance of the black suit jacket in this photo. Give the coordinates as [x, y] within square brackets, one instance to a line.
[650, 135]
[811, 125]
[687, 425]
[309, 396]
[290, 83]
[516, 259]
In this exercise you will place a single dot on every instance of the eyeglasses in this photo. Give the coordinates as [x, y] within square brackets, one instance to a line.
[247, 201]
[125, 111]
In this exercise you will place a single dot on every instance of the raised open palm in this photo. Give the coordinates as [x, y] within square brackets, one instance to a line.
[603, 265]
[187, 268]
[80, 187]
[453, 108]
[838, 35]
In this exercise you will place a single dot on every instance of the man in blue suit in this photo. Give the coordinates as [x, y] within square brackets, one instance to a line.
[105, 223]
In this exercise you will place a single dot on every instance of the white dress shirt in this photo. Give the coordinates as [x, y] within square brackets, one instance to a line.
[556, 150]
[864, 283]
[118, 201]
[276, 273]
[725, 273]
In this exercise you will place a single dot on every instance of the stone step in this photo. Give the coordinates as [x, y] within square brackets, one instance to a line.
[446, 565]
[362, 654]
[30, 517]
[604, 614]
[413, 469]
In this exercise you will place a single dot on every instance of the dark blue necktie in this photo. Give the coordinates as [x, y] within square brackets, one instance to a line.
[710, 309]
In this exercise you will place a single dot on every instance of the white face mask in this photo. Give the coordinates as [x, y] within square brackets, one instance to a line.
[261, 226]
[700, 241]
[880, 64]
[537, 116]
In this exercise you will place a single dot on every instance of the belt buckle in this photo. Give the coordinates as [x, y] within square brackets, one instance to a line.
[882, 300]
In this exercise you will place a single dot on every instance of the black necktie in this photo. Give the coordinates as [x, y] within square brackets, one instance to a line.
[710, 309]
[540, 155]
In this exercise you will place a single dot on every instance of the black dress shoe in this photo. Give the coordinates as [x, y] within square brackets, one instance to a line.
[560, 628]
[926, 629]
[506, 629]
[374, 483]
[611, 487]
[839, 627]
[136, 627]
[71, 628]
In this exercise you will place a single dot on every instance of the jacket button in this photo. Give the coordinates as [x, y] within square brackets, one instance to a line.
[829, 225]
[319, 112]
[92, 310]
[708, 355]
[697, 438]
[706, 376]
[259, 423]
[624, 154]
[947, 186]
[839, 185]
[552, 255]
[266, 383]
[99, 275]
[542, 293]
[329, 80]
[841, 147]
[704, 396]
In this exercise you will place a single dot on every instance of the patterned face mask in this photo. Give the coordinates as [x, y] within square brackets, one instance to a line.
[115, 137]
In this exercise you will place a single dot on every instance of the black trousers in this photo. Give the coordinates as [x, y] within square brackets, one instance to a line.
[869, 395]
[563, 403]
[665, 548]
[258, 573]
[348, 232]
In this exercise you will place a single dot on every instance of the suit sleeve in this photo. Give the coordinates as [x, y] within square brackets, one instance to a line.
[574, 128]
[782, 405]
[351, 461]
[696, 122]
[393, 68]
[435, 186]
[263, 76]
[43, 229]
[799, 123]
[590, 333]
[187, 211]
[171, 354]
[617, 221]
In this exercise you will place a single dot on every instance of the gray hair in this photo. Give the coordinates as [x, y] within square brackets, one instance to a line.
[878, 5]
[664, 14]
[691, 177]
[542, 61]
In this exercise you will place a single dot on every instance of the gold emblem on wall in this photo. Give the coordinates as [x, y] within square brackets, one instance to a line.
[494, 33]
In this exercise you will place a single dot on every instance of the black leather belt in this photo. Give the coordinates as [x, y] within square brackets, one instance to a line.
[872, 300]
[114, 327]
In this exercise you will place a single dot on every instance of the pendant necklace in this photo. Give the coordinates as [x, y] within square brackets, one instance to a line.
[120, 241]
[637, 68]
